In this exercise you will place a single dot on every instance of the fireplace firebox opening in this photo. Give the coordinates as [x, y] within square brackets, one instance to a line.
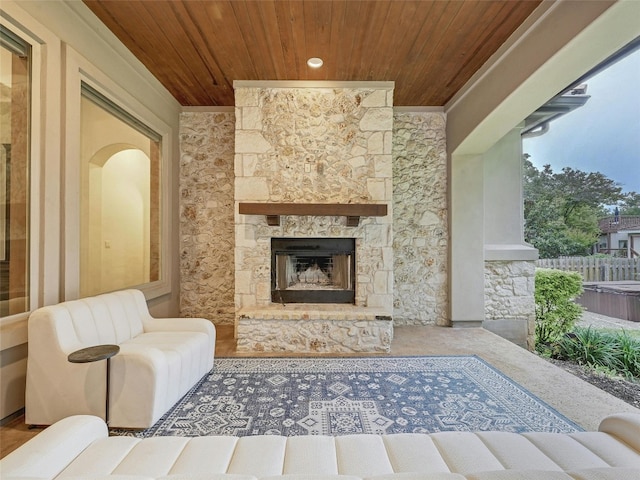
[313, 270]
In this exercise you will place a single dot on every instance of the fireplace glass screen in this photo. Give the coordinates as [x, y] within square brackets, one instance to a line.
[312, 270]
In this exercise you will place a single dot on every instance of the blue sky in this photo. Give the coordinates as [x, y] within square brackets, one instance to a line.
[603, 135]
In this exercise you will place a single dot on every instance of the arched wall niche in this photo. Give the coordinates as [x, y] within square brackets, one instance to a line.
[116, 246]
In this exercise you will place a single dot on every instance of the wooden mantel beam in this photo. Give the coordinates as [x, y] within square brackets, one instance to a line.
[353, 211]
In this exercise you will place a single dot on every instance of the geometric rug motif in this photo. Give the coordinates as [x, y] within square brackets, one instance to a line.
[340, 396]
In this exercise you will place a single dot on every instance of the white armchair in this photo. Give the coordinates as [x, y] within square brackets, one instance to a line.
[159, 360]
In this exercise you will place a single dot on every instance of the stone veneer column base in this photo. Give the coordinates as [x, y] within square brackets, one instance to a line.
[314, 328]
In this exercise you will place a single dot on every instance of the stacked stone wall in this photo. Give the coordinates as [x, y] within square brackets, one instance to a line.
[420, 236]
[415, 244]
[509, 298]
[314, 145]
[206, 216]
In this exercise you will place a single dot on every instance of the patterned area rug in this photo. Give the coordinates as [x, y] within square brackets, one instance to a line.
[339, 396]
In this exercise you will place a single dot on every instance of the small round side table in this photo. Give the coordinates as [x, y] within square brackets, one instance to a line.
[95, 354]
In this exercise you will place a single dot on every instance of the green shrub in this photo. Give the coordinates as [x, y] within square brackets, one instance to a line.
[627, 352]
[588, 346]
[617, 353]
[556, 312]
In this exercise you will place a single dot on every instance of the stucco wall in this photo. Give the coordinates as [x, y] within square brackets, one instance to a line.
[62, 34]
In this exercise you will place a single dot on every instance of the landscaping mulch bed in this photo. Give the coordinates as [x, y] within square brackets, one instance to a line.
[618, 387]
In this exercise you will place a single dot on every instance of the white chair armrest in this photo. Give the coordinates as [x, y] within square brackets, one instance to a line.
[179, 324]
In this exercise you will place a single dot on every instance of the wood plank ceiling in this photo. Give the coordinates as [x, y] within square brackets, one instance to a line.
[430, 48]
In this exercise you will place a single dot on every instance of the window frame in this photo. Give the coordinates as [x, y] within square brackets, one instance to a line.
[16, 46]
[42, 56]
[79, 71]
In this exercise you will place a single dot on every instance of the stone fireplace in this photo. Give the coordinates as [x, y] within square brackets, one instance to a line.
[302, 145]
[313, 270]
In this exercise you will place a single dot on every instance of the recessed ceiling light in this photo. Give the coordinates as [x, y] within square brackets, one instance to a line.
[315, 62]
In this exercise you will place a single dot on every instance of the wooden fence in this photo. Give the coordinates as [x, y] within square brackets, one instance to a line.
[595, 269]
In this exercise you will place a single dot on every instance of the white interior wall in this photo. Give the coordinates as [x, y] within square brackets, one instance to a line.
[125, 219]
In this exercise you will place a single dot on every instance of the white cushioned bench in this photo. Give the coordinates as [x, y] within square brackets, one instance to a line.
[79, 448]
[159, 360]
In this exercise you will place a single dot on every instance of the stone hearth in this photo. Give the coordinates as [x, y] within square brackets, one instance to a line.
[314, 328]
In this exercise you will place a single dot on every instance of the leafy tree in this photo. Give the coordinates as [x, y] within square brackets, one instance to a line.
[561, 210]
[581, 189]
[559, 243]
[583, 224]
[630, 204]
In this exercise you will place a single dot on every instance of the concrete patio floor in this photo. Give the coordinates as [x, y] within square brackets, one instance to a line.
[576, 399]
[579, 401]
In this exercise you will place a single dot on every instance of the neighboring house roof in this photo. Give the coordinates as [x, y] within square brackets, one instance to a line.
[617, 224]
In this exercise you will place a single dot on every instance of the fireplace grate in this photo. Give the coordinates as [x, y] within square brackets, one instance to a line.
[313, 270]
